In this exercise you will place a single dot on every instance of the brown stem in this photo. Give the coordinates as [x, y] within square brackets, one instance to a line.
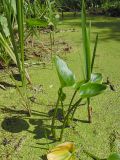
[89, 111]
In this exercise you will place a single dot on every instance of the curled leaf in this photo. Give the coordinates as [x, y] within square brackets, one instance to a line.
[62, 152]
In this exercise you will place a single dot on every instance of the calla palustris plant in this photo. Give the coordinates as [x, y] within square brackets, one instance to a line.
[89, 87]
[63, 151]
[67, 79]
[86, 90]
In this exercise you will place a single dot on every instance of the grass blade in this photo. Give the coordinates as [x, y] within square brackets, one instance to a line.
[94, 53]
[86, 43]
[20, 15]
[7, 9]
[7, 48]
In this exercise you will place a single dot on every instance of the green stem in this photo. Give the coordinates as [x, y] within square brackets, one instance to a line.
[7, 8]
[23, 96]
[66, 117]
[74, 111]
[20, 16]
[93, 156]
[51, 43]
[62, 109]
[71, 101]
[55, 112]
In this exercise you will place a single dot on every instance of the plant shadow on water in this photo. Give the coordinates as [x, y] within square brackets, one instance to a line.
[7, 85]
[17, 76]
[59, 115]
[13, 110]
[5, 109]
[44, 157]
[14, 124]
[41, 130]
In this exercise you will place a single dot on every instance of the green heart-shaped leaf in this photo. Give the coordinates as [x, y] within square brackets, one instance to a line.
[114, 156]
[66, 77]
[96, 78]
[91, 89]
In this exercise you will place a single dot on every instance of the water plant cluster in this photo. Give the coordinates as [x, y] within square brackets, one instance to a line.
[20, 20]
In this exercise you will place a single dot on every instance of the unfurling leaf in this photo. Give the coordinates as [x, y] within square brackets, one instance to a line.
[62, 152]
[89, 89]
[96, 78]
[66, 77]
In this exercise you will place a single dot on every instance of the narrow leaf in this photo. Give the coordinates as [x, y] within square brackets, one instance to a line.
[7, 48]
[4, 24]
[20, 15]
[86, 44]
[94, 52]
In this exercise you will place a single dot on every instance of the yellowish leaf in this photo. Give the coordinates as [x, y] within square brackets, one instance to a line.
[62, 152]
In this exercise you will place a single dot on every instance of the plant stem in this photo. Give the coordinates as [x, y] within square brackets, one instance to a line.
[89, 111]
[20, 17]
[62, 109]
[51, 43]
[66, 117]
[93, 156]
[74, 110]
[55, 112]
[23, 96]
[71, 101]
[7, 7]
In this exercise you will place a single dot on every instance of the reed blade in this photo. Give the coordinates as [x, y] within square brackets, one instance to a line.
[94, 53]
[86, 43]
